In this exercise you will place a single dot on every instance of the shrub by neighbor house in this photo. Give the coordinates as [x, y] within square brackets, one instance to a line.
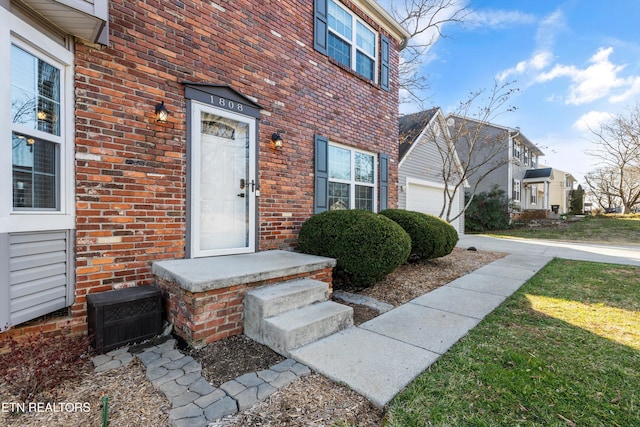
[487, 211]
[431, 237]
[366, 246]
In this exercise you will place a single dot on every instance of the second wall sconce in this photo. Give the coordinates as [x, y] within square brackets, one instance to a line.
[277, 140]
[162, 114]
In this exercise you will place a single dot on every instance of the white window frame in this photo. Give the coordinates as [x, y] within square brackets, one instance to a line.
[353, 41]
[17, 32]
[516, 149]
[534, 161]
[526, 156]
[352, 182]
[517, 190]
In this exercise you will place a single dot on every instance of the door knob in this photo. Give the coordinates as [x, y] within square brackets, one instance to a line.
[241, 195]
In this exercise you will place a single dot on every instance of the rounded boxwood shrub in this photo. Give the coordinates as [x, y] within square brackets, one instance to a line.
[366, 246]
[431, 237]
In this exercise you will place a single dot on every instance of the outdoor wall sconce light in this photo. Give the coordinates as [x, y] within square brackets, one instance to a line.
[162, 114]
[277, 140]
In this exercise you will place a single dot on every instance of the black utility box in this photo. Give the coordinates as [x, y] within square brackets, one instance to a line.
[123, 316]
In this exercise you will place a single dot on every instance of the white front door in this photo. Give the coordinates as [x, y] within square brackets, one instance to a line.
[223, 182]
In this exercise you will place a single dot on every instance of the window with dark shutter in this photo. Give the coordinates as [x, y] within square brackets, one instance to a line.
[384, 181]
[349, 40]
[384, 62]
[320, 32]
[321, 175]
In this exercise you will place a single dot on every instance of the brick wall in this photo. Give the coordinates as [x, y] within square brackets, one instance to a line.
[204, 317]
[131, 171]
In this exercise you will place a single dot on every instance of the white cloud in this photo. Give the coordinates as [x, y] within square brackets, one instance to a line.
[548, 29]
[492, 18]
[591, 120]
[542, 56]
[634, 89]
[537, 62]
[591, 83]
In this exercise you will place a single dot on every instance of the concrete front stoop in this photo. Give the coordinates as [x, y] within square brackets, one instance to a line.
[291, 314]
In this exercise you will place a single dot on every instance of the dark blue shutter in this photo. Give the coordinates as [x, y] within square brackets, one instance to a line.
[320, 29]
[385, 45]
[321, 181]
[384, 181]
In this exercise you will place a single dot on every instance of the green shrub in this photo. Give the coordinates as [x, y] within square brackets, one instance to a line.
[431, 237]
[367, 246]
[487, 211]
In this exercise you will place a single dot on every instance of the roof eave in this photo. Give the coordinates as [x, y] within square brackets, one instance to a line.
[373, 9]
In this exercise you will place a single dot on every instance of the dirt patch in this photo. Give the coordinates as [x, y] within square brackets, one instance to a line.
[231, 357]
[310, 401]
[410, 281]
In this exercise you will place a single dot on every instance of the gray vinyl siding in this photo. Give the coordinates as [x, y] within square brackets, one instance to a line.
[500, 176]
[424, 162]
[38, 275]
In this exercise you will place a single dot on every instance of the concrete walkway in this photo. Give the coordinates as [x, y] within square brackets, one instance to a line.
[380, 357]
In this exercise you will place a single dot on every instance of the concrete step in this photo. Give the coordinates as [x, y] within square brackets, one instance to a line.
[271, 300]
[295, 328]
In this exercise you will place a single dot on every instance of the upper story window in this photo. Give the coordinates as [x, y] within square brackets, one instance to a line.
[352, 179]
[351, 42]
[343, 36]
[526, 156]
[516, 149]
[534, 161]
[36, 88]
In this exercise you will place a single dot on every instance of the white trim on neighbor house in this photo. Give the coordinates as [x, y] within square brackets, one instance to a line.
[517, 185]
[447, 136]
[417, 141]
[16, 31]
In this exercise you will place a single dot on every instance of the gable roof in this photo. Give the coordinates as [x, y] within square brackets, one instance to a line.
[411, 127]
[515, 133]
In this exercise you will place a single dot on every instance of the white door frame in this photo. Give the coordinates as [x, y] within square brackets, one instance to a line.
[195, 175]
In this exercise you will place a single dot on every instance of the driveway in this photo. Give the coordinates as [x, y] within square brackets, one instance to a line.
[617, 254]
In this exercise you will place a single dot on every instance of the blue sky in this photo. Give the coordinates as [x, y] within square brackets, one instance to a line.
[574, 62]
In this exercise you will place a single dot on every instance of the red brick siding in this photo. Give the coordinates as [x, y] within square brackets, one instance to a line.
[131, 171]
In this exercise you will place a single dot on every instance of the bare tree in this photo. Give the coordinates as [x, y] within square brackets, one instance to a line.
[424, 21]
[617, 147]
[473, 148]
[601, 189]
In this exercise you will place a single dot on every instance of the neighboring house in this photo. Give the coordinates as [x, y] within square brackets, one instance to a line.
[507, 158]
[424, 148]
[270, 120]
[560, 188]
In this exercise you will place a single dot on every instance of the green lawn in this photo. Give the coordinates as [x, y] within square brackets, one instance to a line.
[597, 229]
[562, 351]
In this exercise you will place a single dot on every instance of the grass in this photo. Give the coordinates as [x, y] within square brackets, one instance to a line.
[596, 229]
[562, 351]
